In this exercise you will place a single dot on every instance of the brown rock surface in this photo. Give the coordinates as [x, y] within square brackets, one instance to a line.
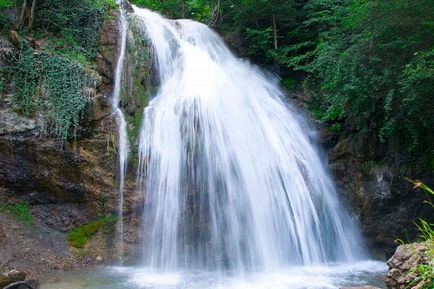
[403, 263]
[66, 183]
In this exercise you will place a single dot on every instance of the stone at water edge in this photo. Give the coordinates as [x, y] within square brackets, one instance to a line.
[402, 264]
[361, 287]
[11, 277]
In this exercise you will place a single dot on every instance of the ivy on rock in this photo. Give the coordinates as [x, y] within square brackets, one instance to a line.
[52, 82]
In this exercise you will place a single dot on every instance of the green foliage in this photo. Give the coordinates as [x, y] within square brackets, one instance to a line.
[425, 272]
[368, 65]
[52, 82]
[200, 10]
[2, 84]
[76, 23]
[80, 236]
[289, 83]
[21, 212]
[261, 40]
[6, 4]
[105, 3]
[373, 68]
[53, 78]
[425, 276]
[5, 22]
[171, 8]
[27, 78]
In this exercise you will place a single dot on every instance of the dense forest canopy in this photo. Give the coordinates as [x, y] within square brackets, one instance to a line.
[367, 65]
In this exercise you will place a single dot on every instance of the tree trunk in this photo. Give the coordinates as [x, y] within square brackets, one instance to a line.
[32, 14]
[274, 31]
[22, 13]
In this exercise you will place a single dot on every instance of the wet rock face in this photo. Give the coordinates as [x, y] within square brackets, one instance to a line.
[403, 264]
[38, 170]
[66, 183]
[60, 217]
[378, 194]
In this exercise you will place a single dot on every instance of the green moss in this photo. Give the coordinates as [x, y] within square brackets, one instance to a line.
[21, 212]
[80, 236]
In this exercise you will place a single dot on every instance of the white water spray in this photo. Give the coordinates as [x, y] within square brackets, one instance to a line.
[231, 174]
[123, 147]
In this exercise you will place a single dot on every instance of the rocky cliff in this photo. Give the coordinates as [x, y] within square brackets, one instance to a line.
[65, 183]
[378, 193]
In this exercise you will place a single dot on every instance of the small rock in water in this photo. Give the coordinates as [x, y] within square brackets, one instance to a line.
[99, 259]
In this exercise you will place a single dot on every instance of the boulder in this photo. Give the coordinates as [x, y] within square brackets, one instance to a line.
[11, 277]
[403, 263]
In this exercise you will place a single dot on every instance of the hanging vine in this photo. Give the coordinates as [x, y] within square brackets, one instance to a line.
[53, 82]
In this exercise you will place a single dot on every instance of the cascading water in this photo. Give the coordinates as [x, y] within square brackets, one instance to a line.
[236, 193]
[231, 174]
[123, 147]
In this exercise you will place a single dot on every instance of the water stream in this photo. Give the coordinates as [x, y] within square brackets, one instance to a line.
[231, 172]
[123, 148]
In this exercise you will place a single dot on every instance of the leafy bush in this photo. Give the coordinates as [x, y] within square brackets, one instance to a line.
[6, 4]
[80, 236]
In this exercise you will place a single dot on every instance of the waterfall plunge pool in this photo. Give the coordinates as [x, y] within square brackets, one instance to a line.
[331, 276]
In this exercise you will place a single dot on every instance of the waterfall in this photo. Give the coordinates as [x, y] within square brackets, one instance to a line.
[120, 119]
[231, 173]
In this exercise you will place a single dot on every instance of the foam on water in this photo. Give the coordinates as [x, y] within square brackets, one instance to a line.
[330, 276]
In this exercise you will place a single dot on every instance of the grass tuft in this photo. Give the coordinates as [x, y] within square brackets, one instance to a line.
[80, 236]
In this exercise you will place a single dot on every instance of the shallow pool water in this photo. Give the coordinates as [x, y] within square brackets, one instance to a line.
[332, 276]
